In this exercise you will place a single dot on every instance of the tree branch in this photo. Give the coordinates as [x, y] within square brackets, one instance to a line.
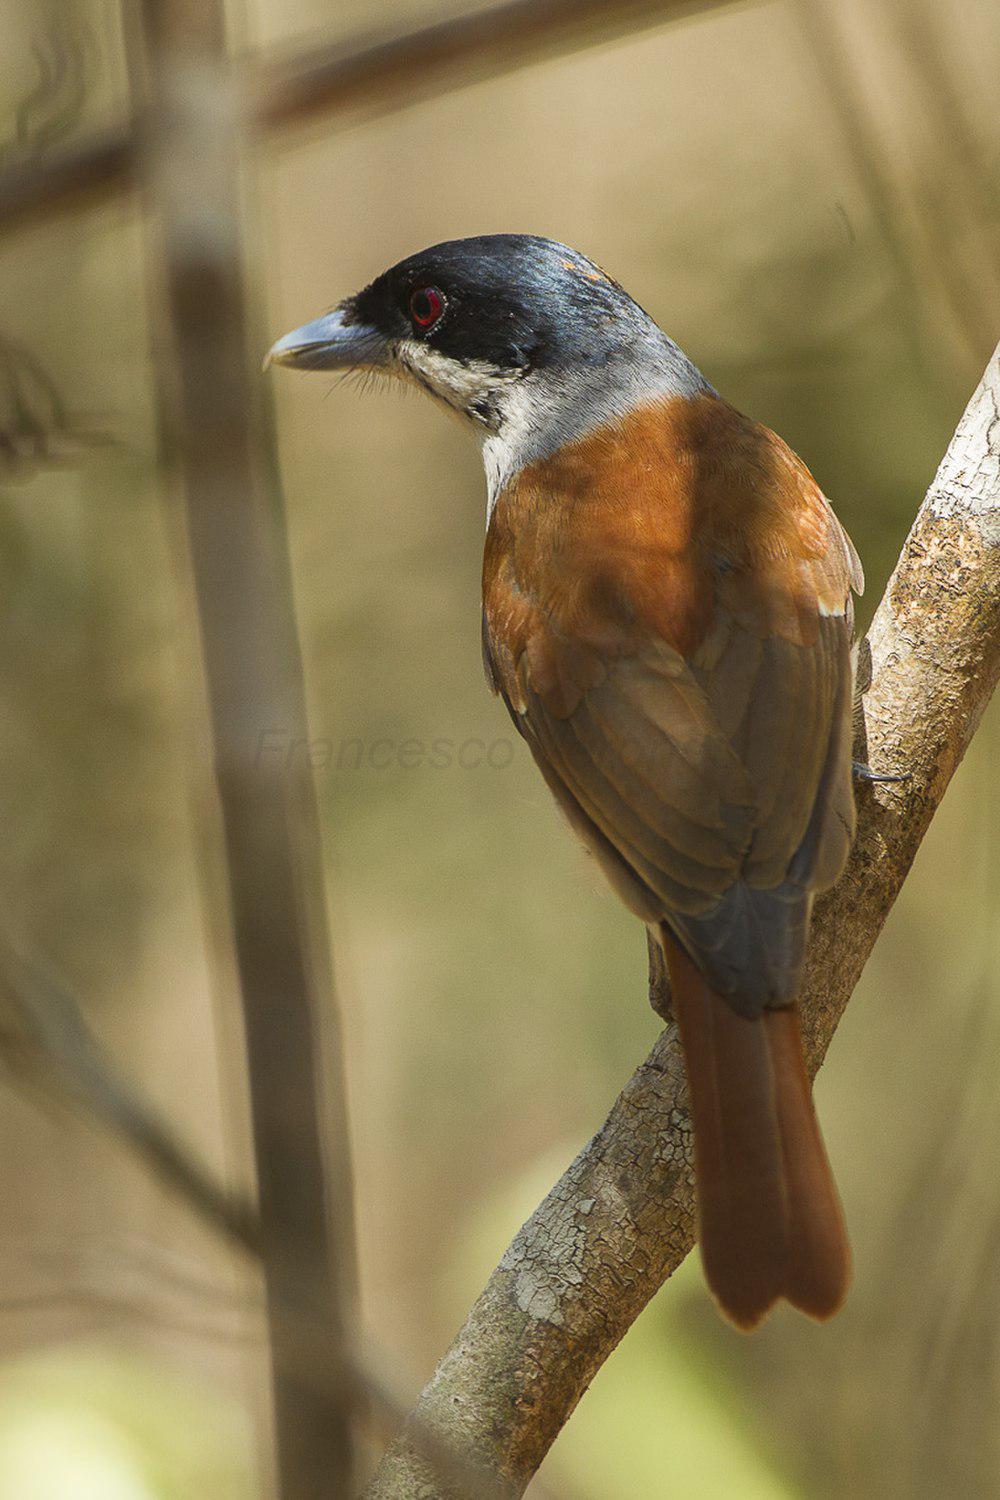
[918, 228]
[374, 75]
[45, 1038]
[386, 74]
[269, 889]
[46, 1031]
[621, 1219]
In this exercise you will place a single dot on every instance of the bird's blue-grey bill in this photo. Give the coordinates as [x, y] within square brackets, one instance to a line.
[330, 343]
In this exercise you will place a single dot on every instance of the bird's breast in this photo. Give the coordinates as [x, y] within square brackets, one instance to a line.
[602, 538]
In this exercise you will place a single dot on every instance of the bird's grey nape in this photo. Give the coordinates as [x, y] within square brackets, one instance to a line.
[542, 410]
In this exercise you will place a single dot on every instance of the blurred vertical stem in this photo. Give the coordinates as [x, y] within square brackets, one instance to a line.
[216, 436]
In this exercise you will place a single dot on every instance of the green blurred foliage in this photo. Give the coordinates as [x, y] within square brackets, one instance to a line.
[91, 1425]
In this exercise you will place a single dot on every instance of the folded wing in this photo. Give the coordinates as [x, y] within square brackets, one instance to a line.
[677, 656]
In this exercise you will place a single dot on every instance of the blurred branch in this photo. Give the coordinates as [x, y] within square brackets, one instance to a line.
[960, 241]
[70, 179]
[621, 1219]
[921, 245]
[851, 105]
[49, 1030]
[36, 426]
[270, 889]
[375, 75]
[44, 1037]
[65, 55]
[389, 73]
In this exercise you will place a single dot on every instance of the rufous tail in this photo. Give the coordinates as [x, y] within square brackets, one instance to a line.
[770, 1220]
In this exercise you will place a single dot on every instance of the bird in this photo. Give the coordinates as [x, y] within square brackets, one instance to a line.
[667, 615]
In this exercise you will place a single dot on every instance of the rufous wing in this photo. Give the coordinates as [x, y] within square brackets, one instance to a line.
[667, 615]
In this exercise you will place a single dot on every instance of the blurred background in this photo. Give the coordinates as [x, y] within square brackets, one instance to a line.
[805, 196]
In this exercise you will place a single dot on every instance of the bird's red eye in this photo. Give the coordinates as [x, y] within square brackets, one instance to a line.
[426, 306]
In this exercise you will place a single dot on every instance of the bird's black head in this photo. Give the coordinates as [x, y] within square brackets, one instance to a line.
[468, 319]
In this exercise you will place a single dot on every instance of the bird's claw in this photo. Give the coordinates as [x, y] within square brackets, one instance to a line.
[865, 773]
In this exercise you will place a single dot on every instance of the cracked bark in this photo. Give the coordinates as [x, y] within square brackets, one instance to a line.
[621, 1219]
